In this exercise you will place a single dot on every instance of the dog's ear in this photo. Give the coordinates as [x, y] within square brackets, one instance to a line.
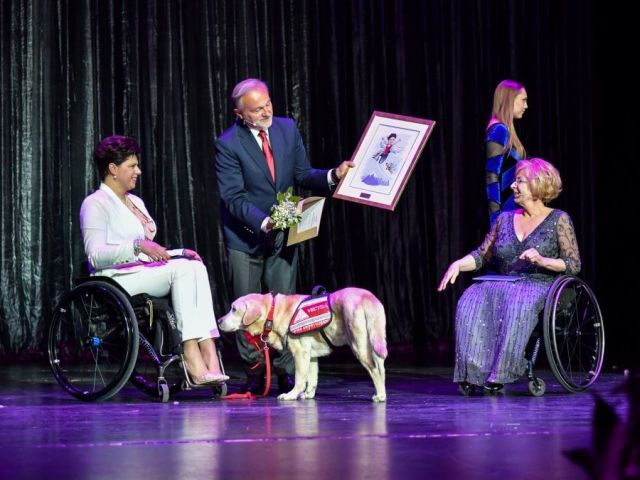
[248, 318]
[252, 313]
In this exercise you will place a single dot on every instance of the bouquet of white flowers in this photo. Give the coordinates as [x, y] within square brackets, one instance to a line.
[285, 213]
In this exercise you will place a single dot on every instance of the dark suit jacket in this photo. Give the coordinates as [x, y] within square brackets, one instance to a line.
[247, 190]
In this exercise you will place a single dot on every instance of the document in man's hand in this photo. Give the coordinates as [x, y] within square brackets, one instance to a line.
[309, 227]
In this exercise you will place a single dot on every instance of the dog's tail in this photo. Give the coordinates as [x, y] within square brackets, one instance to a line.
[376, 326]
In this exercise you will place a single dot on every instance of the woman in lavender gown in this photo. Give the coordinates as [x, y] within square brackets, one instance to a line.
[529, 246]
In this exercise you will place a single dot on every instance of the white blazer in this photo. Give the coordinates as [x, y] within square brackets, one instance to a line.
[109, 229]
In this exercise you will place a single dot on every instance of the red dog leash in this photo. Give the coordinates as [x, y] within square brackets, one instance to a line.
[253, 340]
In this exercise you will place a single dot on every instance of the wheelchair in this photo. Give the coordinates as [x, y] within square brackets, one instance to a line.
[100, 338]
[572, 331]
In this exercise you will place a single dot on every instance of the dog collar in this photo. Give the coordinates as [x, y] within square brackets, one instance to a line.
[268, 324]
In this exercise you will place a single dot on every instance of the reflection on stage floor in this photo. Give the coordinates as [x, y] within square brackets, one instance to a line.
[425, 428]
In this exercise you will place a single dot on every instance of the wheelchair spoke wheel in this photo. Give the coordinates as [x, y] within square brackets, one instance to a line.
[573, 333]
[93, 341]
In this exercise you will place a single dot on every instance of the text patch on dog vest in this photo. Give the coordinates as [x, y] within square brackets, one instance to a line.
[312, 314]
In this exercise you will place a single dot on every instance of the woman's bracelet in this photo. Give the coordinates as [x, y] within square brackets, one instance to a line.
[136, 246]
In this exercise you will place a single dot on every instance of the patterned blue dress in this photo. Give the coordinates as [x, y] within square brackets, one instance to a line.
[500, 170]
[494, 319]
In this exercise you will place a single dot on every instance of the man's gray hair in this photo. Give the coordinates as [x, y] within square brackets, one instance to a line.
[244, 87]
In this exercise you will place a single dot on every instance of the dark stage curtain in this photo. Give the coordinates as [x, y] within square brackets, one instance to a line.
[161, 71]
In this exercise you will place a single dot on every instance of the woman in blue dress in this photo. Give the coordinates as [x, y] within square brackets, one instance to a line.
[529, 247]
[502, 146]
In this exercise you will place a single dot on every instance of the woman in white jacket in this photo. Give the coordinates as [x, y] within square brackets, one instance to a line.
[118, 237]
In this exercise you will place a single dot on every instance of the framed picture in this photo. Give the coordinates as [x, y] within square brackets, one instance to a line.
[384, 159]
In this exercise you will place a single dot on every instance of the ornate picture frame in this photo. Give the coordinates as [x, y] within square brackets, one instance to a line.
[384, 159]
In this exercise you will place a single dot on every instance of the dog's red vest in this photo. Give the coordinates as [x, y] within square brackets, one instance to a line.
[313, 313]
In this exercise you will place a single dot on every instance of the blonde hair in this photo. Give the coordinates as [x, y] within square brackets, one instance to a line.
[544, 179]
[503, 100]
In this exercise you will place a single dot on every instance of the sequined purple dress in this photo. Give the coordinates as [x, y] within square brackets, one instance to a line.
[494, 319]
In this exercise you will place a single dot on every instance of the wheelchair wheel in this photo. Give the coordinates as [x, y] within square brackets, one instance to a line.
[537, 387]
[573, 333]
[220, 391]
[93, 341]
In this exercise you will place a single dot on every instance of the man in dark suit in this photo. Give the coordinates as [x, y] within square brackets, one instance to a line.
[259, 156]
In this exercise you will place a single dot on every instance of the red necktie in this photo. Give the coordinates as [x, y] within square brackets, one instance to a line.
[268, 154]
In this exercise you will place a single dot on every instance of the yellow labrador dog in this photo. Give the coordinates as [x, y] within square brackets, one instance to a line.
[358, 320]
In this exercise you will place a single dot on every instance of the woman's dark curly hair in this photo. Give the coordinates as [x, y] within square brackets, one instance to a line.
[114, 149]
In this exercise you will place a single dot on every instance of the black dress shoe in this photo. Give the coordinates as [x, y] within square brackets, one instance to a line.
[492, 387]
[286, 383]
[254, 384]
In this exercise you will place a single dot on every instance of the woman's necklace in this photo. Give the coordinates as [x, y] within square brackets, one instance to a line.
[148, 224]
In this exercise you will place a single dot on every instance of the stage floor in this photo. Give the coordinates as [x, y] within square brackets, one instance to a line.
[425, 429]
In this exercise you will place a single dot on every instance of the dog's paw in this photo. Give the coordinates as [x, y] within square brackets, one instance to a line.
[292, 395]
[308, 395]
[379, 398]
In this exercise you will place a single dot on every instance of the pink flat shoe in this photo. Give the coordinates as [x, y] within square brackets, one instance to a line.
[203, 379]
[208, 378]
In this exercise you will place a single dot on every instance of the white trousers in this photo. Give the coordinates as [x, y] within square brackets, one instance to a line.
[188, 282]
